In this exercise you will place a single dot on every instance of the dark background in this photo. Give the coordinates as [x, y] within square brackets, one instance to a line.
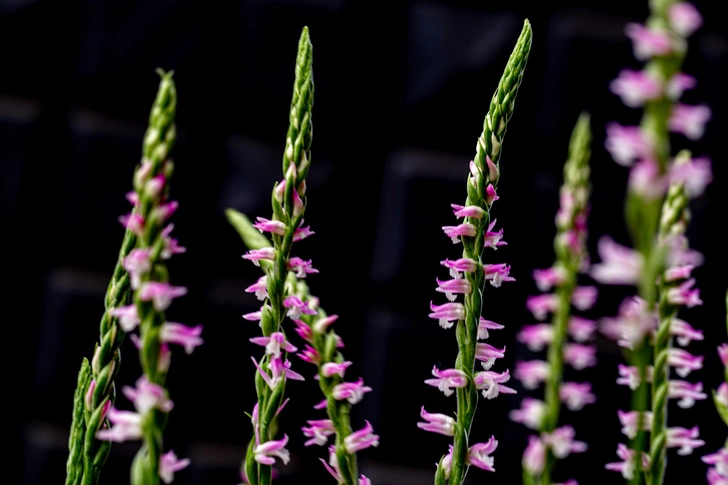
[401, 92]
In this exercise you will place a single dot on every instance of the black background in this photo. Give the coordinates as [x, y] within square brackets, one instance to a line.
[401, 92]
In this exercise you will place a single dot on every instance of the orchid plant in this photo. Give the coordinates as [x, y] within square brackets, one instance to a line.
[660, 265]
[556, 442]
[143, 269]
[469, 275]
[718, 471]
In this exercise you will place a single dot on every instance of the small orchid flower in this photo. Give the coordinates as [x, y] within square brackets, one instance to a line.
[260, 288]
[448, 379]
[462, 265]
[362, 439]
[169, 464]
[160, 294]
[274, 344]
[576, 395]
[297, 307]
[684, 18]
[128, 317]
[266, 225]
[479, 455]
[497, 273]
[627, 466]
[562, 442]
[319, 431]
[532, 373]
[266, 453]
[437, 423]
[636, 87]
[485, 325]
[453, 287]
[530, 414]
[457, 232]
[351, 391]
[648, 42]
[491, 383]
[300, 267]
[627, 143]
[685, 439]
[493, 239]
[487, 354]
[534, 456]
[686, 392]
[683, 361]
[447, 313]
[689, 120]
[176, 333]
[256, 255]
[620, 265]
[536, 337]
[125, 425]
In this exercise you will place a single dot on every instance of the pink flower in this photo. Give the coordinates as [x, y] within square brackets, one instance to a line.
[497, 273]
[310, 354]
[255, 255]
[351, 391]
[684, 18]
[636, 87]
[487, 354]
[493, 239]
[683, 361]
[620, 265]
[457, 232]
[147, 396]
[684, 332]
[479, 455]
[274, 344]
[319, 431]
[330, 369]
[646, 181]
[448, 379]
[137, 263]
[530, 414]
[684, 294]
[133, 222]
[630, 422]
[491, 383]
[453, 287]
[648, 42]
[297, 307]
[581, 329]
[274, 227]
[632, 325]
[301, 267]
[362, 439]
[485, 325]
[584, 297]
[627, 465]
[719, 460]
[364, 480]
[547, 278]
[541, 305]
[437, 423]
[627, 144]
[531, 373]
[470, 211]
[333, 465]
[576, 395]
[686, 392]
[266, 453]
[302, 233]
[169, 464]
[176, 333]
[161, 294]
[534, 456]
[562, 442]
[695, 175]
[465, 265]
[630, 376]
[689, 120]
[279, 370]
[536, 337]
[126, 425]
[580, 356]
[260, 288]
[128, 317]
[447, 313]
[686, 440]
[678, 84]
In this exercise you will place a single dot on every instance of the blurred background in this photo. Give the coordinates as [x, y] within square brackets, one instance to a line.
[401, 92]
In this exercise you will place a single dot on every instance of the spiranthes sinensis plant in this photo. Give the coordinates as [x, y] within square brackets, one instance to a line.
[555, 441]
[322, 348]
[468, 277]
[718, 471]
[286, 227]
[152, 294]
[660, 263]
